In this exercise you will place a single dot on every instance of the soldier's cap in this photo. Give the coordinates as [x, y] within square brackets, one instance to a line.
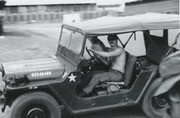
[112, 37]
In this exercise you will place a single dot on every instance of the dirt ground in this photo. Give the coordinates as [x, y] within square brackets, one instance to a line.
[29, 41]
[39, 40]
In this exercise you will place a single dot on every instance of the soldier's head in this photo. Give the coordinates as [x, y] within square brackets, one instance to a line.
[112, 40]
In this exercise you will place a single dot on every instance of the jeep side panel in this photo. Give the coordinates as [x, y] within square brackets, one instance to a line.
[67, 94]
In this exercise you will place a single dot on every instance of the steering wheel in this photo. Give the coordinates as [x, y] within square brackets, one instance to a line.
[93, 57]
[85, 65]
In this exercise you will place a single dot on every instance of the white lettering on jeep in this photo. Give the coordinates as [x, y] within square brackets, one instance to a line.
[41, 74]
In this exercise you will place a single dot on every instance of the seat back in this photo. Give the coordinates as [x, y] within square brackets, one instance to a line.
[130, 63]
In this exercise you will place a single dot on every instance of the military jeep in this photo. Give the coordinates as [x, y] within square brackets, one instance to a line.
[38, 88]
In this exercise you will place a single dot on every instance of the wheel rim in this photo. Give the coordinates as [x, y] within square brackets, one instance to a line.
[36, 111]
[160, 103]
[155, 106]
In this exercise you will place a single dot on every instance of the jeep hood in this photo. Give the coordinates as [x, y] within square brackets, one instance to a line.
[39, 69]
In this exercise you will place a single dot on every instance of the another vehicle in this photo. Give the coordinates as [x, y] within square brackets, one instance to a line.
[170, 83]
[37, 88]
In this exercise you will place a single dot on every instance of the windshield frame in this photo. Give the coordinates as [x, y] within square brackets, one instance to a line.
[70, 40]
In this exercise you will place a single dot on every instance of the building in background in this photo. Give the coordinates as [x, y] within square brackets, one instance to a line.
[54, 10]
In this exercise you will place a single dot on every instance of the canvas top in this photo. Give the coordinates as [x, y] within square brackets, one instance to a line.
[109, 25]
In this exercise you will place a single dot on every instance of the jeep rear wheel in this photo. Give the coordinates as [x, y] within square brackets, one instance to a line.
[152, 106]
[35, 105]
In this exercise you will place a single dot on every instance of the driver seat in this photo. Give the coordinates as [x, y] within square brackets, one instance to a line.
[130, 64]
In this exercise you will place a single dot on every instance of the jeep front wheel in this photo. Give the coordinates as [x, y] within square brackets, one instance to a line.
[35, 105]
[153, 106]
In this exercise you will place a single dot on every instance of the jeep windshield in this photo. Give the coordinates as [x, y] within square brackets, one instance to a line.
[72, 40]
[70, 45]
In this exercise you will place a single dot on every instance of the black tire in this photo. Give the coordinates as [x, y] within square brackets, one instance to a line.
[154, 107]
[35, 105]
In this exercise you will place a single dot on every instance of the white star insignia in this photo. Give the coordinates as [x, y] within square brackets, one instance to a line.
[72, 78]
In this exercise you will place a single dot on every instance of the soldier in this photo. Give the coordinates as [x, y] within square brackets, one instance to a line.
[116, 72]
